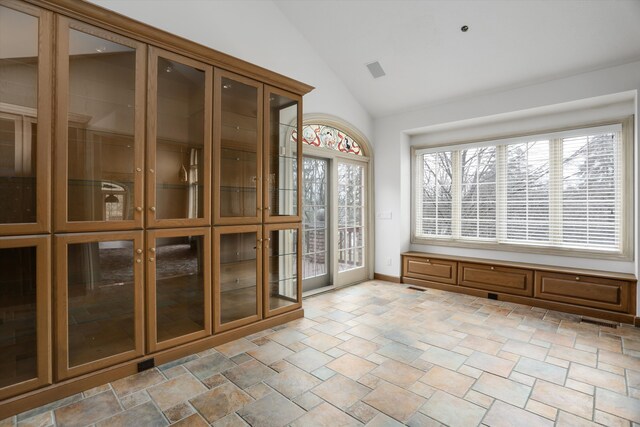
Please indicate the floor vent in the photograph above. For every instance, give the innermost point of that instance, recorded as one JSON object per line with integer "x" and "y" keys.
{"x": 599, "y": 322}
{"x": 416, "y": 289}
{"x": 492, "y": 296}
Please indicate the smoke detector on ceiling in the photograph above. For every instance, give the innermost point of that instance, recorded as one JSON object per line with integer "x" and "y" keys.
{"x": 376, "y": 69}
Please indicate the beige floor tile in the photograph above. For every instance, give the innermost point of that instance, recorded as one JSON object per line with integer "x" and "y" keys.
{"x": 394, "y": 401}
{"x": 270, "y": 353}
{"x": 504, "y": 415}
{"x": 292, "y": 382}
{"x": 220, "y": 401}
{"x": 194, "y": 420}
{"x": 597, "y": 378}
{"x": 484, "y": 345}
{"x": 400, "y": 352}
{"x": 618, "y": 404}
{"x": 609, "y": 420}
{"x": 525, "y": 349}
{"x": 541, "y": 409}
{"x": 479, "y": 398}
{"x": 178, "y": 412}
{"x": 445, "y": 358}
{"x": 364, "y": 331}
{"x": 447, "y": 380}
{"x": 231, "y": 420}
{"x": 206, "y": 366}
{"x": 573, "y": 355}
{"x": 273, "y": 410}
{"x": 351, "y": 366}
{"x": 143, "y": 415}
{"x": 307, "y": 401}
{"x": 309, "y": 359}
{"x": 236, "y": 347}
{"x": 503, "y": 389}
{"x": 175, "y": 391}
{"x": 88, "y": 411}
{"x": 382, "y": 420}
{"x": 341, "y": 391}
{"x": 554, "y": 338}
{"x": 563, "y": 398}
{"x": 287, "y": 337}
{"x": 248, "y": 373}
{"x": 566, "y": 419}
{"x": 621, "y": 360}
{"x": 321, "y": 341}
{"x": 359, "y": 346}
{"x": 326, "y": 415}
{"x": 397, "y": 373}
{"x": 542, "y": 370}
{"x": 453, "y": 411}
{"x": 488, "y": 363}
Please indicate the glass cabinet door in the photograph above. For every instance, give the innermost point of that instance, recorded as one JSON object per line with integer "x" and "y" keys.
{"x": 238, "y": 272}
{"x": 100, "y": 129}
{"x": 179, "y": 140}
{"x": 179, "y": 286}
{"x": 238, "y": 156}
{"x": 282, "y": 279}
{"x": 99, "y": 300}
{"x": 282, "y": 156}
{"x": 25, "y": 298}
{"x": 25, "y": 118}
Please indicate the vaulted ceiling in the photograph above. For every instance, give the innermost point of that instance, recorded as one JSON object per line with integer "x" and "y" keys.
{"x": 428, "y": 59}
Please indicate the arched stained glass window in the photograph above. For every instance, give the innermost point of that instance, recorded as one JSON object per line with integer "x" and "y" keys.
{"x": 329, "y": 137}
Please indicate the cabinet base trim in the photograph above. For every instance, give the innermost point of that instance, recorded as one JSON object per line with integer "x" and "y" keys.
{"x": 379, "y": 276}
{"x": 51, "y": 393}
{"x": 549, "y": 305}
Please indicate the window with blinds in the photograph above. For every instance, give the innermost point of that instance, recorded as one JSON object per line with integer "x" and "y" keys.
{"x": 563, "y": 190}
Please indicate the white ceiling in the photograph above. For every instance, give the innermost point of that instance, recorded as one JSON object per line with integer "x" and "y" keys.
{"x": 428, "y": 60}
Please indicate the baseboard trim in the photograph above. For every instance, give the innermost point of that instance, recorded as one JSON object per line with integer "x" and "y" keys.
{"x": 636, "y": 322}
{"x": 50, "y": 393}
{"x": 393, "y": 279}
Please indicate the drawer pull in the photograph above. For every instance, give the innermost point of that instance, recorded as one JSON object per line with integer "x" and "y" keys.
{"x": 493, "y": 268}
{"x": 577, "y": 277}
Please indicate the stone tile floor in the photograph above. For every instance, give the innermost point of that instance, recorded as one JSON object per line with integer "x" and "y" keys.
{"x": 380, "y": 354}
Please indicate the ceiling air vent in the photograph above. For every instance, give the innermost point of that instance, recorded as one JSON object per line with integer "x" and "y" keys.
{"x": 376, "y": 69}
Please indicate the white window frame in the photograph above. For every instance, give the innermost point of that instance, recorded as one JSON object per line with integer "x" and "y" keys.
{"x": 627, "y": 235}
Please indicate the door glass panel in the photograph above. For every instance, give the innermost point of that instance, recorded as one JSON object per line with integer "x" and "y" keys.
{"x": 179, "y": 286}
{"x": 314, "y": 237}
{"x": 101, "y": 128}
{"x": 239, "y": 148}
{"x": 18, "y": 103}
{"x": 283, "y": 268}
{"x": 18, "y": 336}
{"x": 351, "y": 229}
{"x": 283, "y": 156}
{"x": 180, "y": 141}
{"x": 100, "y": 300}
{"x": 238, "y": 276}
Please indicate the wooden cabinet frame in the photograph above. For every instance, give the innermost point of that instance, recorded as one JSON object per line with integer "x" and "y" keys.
{"x": 61, "y": 242}
{"x": 152, "y": 341}
{"x": 44, "y": 114}
{"x": 152, "y": 119}
{"x": 64, "y": 25}
{"x": 43, "y": 307}
{"x": 218, "y": 219}
{"x": 268, "y": 218}
{"x": 217, "y": 232}
{"x": 268, "y": 228}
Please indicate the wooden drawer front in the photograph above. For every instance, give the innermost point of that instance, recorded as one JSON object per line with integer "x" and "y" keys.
{"x": 500, "y": 279}
{"x": 588, "y": 291}
{"x": 438, "y": 270}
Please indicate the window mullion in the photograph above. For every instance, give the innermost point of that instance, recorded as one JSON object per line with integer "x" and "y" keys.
{"x": 501, "y": 193}
{"x": 456, "y": 189}
{"x": 555, "y": 191}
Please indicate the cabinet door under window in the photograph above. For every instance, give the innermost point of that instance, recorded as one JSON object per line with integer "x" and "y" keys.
{"x": 179, "y": 140}
{"x": 100, "y": 129}
{"x": 25, "y": 118}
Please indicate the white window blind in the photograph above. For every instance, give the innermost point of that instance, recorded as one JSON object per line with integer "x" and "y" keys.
{"x": 561, "y": 189}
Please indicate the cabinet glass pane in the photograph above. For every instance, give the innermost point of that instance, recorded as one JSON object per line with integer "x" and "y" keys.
{"x": 180, "y": 141}
{"x": 179, "y": 286}
{"x": 283, "y": 156}
{"x": 101, "y": 129}
{"x": 239, "y": 148}
{"x": 283, "y": 268}
{"x": 100, "y": 300}
{"x": 18, "y": 336}
{"x": 238, "y": 276}
{"x": 18, "y": 106}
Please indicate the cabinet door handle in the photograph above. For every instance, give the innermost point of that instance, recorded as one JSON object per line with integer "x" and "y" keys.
{"x": 152, "y": 250}
{"x": 151, "y": 259}
{"x": 138, "y": 251}
{"x": 139, "y": 208}
{"x": 492, "y": 267}
{"x": 152, "y": 208}
{"x": 577, "y": 277}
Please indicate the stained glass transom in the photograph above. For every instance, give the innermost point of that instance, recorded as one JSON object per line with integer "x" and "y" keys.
{"x": 329, "y": 137}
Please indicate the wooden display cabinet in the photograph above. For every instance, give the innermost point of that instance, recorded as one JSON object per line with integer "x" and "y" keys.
{"x": 25, "y": 286}
{"x": 282, "y": 268}
{"x": 25, "y": 121}
{"x": 99, "y": 300}
{"x": 179, "y": 116}
{"x": 178, "y": 286}
{"x": 100, "y": 116}
{"x": 238, "y": 149}
{"x": 282, "y": 156}
{"x": 238, "y": 276}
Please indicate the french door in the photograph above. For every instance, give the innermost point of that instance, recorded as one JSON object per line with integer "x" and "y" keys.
{"x": 334, "y": 222}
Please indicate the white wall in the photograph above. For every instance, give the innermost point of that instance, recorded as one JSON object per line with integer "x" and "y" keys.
{"x": 543, "y": 105}
{"x": 255, "y": 31}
